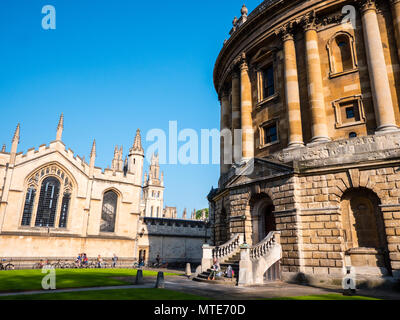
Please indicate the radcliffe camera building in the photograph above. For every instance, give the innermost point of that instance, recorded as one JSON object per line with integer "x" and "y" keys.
{"x": 321, "y": 173}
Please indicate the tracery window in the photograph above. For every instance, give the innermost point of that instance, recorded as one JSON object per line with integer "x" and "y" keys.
{"x": 109, "y": 211}
{"x": 47, "y": 198}
{"x": 64, "y": 210}
{"x": 28, "y": 207}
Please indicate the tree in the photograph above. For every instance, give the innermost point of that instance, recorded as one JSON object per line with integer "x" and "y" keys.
{"x": 199, "y": 213}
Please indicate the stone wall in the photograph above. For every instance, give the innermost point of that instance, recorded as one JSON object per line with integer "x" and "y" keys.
{"x": 175, "y": 240}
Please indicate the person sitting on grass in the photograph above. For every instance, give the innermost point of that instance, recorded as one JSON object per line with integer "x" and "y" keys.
{"x": 214, "y": 269}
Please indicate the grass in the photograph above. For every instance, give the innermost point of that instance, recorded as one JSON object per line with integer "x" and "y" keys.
{"x": 27, "y": 280}
{"x": 332, "y": 296}
{"x": 120, "y": 294}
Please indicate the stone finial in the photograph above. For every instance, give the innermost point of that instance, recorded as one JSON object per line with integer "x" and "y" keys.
{"x": 137, "y": 144}
{"x": 184, "y": 215}
{"x": 60, "y": 127}
{"x": 3, "y": 149}
{"x": 235, "y": 21}
{"x": 244, "y": 11}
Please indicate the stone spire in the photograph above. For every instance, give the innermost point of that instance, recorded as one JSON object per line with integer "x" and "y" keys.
{"x": 14, "y": 145}
{"x": 3, "y": 149}
{"x": 93, "y": 152}
{"x": 60, "y": 127}
{"x": 114, "y": 163}
{"x": 120, "y": 161}
{"x": 92, "y": 159}
{"x": 184, "y": 215}
{"x": 137, "y": 144}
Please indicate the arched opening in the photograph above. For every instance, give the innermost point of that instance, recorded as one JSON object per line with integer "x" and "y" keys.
{"x": 48, "y": 200}
{"x": 342, "y": 53}
{"x": 262, "y": 217}
{"x": 108, "y": 214}
{"x": 364, "y": 231}
{"x": 342, "y": 56}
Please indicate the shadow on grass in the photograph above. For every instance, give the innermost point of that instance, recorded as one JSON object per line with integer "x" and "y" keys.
{"x": 30, "y": 280}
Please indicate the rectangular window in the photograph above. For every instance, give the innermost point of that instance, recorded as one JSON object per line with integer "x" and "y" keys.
{"x": 270, "y": 134}
{"x": 349, "y": 111}
{"x": 268, "y": 81}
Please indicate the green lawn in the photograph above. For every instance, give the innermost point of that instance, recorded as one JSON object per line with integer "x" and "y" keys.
{"x": 26, "y": 280}
{"x": 332, "y": 296}
{"x": 121, "y": 294}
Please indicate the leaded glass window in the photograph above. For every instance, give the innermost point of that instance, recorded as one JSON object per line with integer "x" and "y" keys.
{"x": 64, "y": 210}
{"x": 48, "y": 200}
{"x": 109, "y": 211}
{"x": 28, "y": 207}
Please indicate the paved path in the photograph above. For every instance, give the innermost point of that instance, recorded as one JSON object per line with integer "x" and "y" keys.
{"x": 220, "y": 292}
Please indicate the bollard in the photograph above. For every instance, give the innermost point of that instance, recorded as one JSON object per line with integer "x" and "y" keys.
{"x": 160, "y": 280}
{"x": 139, "y": 277}
{"x": 188, "y": 272}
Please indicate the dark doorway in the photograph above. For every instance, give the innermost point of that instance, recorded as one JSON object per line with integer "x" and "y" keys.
{"x": 269, "y": 220}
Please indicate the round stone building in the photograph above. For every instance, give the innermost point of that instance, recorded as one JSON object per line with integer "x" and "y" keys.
{"x": 310, "y": 157}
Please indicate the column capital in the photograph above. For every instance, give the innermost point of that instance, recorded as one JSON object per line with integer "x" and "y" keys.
{"x": 235, "y": 74}
{"x": 223, "y": 93}
{"x": 285, "y": 32}
{"x": 309, "y": 21}
{"x": 243, "y": 62}
{"x": 366, "y": 5}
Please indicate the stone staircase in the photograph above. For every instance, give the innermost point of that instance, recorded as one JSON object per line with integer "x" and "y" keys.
{"x": 233, "y": 262}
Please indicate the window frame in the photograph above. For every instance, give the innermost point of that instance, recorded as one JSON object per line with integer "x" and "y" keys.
{"x": 340, "y": 123}
{"x": 333, "y": 73}
{"x": 264, "y": 58}
{"x": 261, "y": 129}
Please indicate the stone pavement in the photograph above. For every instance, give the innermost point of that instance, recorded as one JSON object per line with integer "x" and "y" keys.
{"x": 220, "y": 292}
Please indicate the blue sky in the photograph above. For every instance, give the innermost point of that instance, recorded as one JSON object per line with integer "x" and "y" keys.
{"x": 112, "y": 67}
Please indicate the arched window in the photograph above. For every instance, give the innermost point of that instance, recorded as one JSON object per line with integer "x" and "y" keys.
{"x": 151, "y": 212}
{"x": 64, "y": 210}
{"x": 342, "y": 57}
{"x": 109, "y": 211}
{"x": 48, "y": 200}
{"x": 28, "y": 207}
{"x": 158, "y": 212}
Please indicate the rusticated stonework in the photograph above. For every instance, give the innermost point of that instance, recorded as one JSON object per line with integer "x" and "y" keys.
{"x": 328, "y": 178}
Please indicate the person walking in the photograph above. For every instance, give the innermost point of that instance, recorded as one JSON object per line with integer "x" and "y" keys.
{"x": 114, "y": 260}
{"x": 99, "y": 261}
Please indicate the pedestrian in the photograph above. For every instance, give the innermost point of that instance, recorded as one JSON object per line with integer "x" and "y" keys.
{"x": 114, "y": 260}
{"x": 99, "y": 261}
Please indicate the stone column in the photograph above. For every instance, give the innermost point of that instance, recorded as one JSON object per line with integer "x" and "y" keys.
{"x": 226, "y": 140}
{"x": 236, "y": 122}
{"x": 396, "y": 23}
{"x": 246, "y": 110}
{"x": 381, "y": 94}
{"x": 319, "y": 127}
{"x": 292, "y": 94}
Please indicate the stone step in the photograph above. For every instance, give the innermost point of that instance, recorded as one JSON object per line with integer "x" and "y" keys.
{"x": 221, "y": 281}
